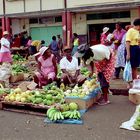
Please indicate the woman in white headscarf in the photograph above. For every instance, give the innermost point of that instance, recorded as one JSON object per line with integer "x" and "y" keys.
{"x": 47, "y": 68}
{"x": 5, "y": 53}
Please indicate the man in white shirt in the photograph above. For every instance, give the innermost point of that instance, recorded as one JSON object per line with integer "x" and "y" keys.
{"x": 70, "y": 69}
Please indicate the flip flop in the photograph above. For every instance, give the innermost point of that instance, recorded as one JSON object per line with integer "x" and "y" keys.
{"x": 104, "y": 103}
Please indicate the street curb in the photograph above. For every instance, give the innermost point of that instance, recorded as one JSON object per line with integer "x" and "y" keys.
{"x": 119, "y": 92}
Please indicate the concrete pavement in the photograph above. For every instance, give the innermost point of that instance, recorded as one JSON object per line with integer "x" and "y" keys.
{"x": 100, "y": 123}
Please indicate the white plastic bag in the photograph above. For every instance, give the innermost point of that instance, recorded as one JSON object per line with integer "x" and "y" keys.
{"x": 136, "y": 84}
{"x": 127, "y": 74}
{"x": 100, "y": 52}
{"x": 5, "y": 73}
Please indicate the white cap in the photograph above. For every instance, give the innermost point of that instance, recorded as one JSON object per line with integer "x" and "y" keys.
{"x": 43, "y": 49}
{"x": 105, "y": 29}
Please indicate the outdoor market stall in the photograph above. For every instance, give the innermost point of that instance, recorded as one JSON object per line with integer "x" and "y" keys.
{"x": 66, "y": 102}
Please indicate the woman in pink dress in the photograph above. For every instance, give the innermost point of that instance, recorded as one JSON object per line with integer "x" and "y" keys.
{"x": 104, "y": 35}
{"x": 5, "y": 54}
{"x": 47, "y": 68}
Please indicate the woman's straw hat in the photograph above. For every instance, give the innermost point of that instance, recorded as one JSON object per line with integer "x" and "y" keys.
{"x": 5, "y": 33}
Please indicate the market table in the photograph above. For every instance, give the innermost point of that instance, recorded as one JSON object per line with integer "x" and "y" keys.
{"x": 23, "y": 51}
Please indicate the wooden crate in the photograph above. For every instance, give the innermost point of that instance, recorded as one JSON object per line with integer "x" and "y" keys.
{"x": 26, "y": 108}
{"x": 84, "y": 104}
{"x": 134, "y": 98}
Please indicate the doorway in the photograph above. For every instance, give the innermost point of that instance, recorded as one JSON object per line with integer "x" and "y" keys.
{"x": 95, "y": 30}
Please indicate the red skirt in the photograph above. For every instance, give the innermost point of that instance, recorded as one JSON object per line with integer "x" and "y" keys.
{"x": 107, "y": 67}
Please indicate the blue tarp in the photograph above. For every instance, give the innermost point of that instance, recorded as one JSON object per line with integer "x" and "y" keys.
{"x": 67, "y": 121}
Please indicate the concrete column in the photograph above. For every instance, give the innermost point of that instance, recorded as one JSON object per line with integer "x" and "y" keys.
{"x": 64, "y": 27}
{"x": 3, "y": 24}
{"x": 8, "y": 24}
{"x": 69, "y": 28}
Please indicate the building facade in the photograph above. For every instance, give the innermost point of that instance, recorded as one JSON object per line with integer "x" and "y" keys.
{"x": 44, "y": 18}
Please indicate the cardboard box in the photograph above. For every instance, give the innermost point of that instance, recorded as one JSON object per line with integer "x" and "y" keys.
{"x": 23, "y": 86}
{"x": 134, "y": 98}
{"x": 31, "y": 58}
{"x": 16, "y": 78}
{"x": 84, "y": 104}
{"x": 32, "y": 85}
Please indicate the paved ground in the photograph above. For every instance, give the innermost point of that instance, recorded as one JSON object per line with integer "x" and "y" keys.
{"x": 100, "y": 123}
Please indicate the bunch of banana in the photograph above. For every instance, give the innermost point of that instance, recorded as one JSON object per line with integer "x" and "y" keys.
{"x": 72, "y": 114}
{"x": 54, "y": 114}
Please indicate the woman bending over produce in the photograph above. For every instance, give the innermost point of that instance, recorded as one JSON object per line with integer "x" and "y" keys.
{"x": 103, "y": 58}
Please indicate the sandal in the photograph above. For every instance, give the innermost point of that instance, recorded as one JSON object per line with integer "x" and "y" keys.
{"x": 103, "y": 103}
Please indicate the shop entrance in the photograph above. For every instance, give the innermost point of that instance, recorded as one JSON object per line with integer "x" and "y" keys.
{"x": 95, "y": 30}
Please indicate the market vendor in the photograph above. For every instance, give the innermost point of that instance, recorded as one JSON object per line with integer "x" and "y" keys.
{"x": 5, "y": 53}
{"x": 103, "y": 58}
{"x": 47, "y": 68}
{"x": 70, "y": 69}
{"x": 34, "y": 47}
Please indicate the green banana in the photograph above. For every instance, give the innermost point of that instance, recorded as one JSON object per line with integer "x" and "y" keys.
{"x": 48, "y": 111}
{"x": 61, "y": 116}
{"x": 52, "y": 117}
{"x": 75, "y": 114}
{"x": 64, "y": 113}
{"x": 51, "y": 113}
{"x": 55, "y": 116}
{"x": 78, "y": 114}
{"x": 68, "y": 114}
{"x": 58, "y": 115}
{"x": 71, "y": 115}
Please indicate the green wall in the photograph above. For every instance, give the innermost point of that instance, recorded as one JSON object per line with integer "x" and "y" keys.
{"x": 45, "y": 33}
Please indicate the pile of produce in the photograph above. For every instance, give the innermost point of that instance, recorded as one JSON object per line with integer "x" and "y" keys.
{"x": 84, "y": 90}
{"x": 18, "y": 57}
{"x": 18, "y": 68}
{"x": 65, "y": 111}
{"x": 4, "y": 90}
{"x": 48, "y": 97}
{"x": 137, "y": 122}
{"x": 84, "y": 71}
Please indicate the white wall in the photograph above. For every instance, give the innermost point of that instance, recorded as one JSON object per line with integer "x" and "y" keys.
{"x": 14, "y": 7}
{"x": 32, "y": 5}
{"x": 52, "y": 4}
{"x": 134, "y": 14}
{"x": 79, "y": 24}
{"x": 81, "y": 3}
{"x": 17, "y": 25}
{"x": 1, "y": 7}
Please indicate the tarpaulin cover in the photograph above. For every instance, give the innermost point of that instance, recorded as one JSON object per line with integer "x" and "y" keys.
{"x": 67, "y": 121}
